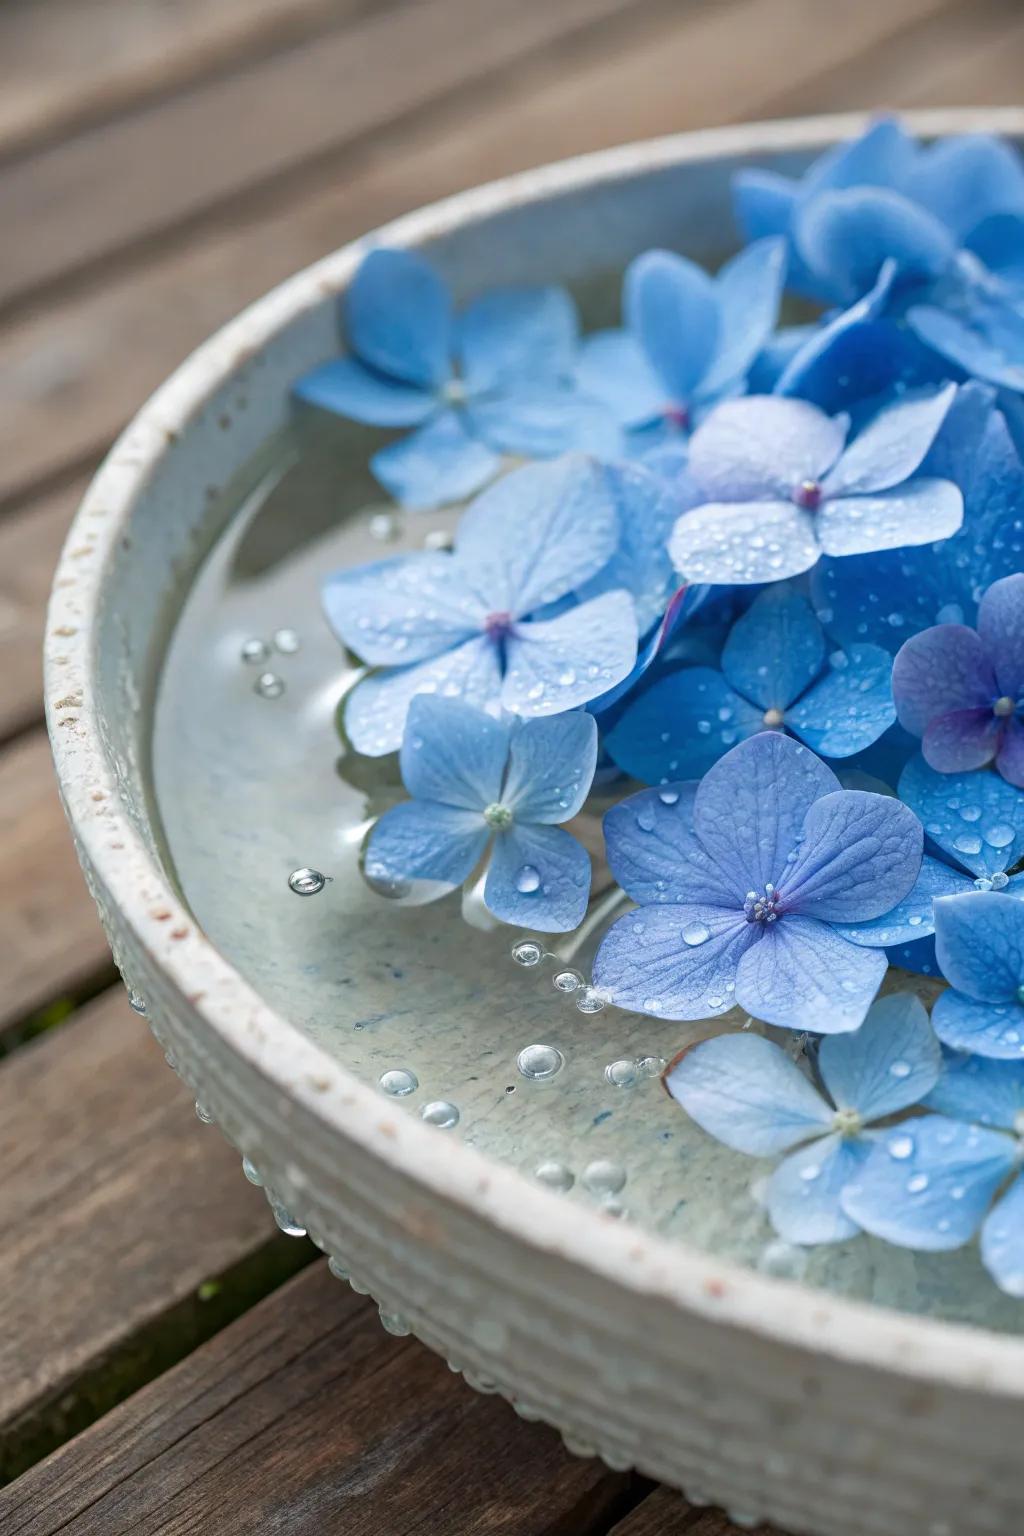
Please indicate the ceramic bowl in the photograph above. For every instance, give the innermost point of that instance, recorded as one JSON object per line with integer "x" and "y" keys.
{"x": 777, "y": 1401}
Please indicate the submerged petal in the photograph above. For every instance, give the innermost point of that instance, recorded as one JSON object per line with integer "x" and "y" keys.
{"x": 647, "y": 963}
{"x": 747, "y": 1093}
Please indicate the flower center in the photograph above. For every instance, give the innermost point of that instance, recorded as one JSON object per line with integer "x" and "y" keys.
{"x": 808, "y": 495}
{"x": 1004, "y": 706}
{"x": 772, "y": 719}
{"x": 498, "y": 625}
{"x": 848, "y": 1122}
{"x": 454, "y": 392}
{"x": 498, "y": 817}
{"x": 675, "y": 414}
{"x": 763, "y": 908}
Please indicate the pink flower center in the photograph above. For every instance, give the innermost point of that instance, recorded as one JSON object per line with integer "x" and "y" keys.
{"x": 497, "y": 626}
{"x": 808, "y": 495}
{"x": 675, "y": 414}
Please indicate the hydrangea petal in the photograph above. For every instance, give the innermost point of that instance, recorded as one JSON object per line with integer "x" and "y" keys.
{"x": 647, "y": 508}
{"x": 757, "y": 541}
{"x": 393, "y": 612}
{"x": 846, "y": 236}
{"x": 976, "y": 818}
{"x": 980, "y": 1091}
{"x": 347, "y": 387}
{"x": 912, "y": 918}
{"x": 748, "y": 1094}
{"x": 453, "y": 753}
{"x": 748, "y": 289}
{"x": 750, "y": 808}
{"x": 613, "y": 369}
{"x": 963, "y": 178}
{"x": 671, "y": 306}
{"x": 1001, "y": 628}
{"x": 962, "y": 740}
{"x": 517, "y": 333}
{"x": 762, "y": 446}
{"x": 646, "y": 962}
{"x": 656, "y": 856}
{"x": 892, "y": 447}
{"x": 979, "y": 940}
{"x": 421, "y": 840}
{"x": 377, "y": 707}
{"x": 994, "y": 1030}
{"x": 860, "y": 854}
{"x": 551, "y": 766}
{"x": 776, "y": 357}
{"x": 776, "y": 649}
{"x": 986, "y": 341}
{"x": 541, "y": 420}
{"x": 680, "y": 726}
{"x": 1010, "y": 757}
{"x": 1002, "y": 1241}
{"x": 557, "y": 664}
{"x": 437, "y": 464}
{"x": 398, "y": 317}
{"x": 763, "y": 202}
{"x": 804, "y": 975}
{"x": 998, "y": 242}
{"x": 942, "y": 669}
{"x": 539, "y": 877}
{"x": 850, "y": 707}
{"x": 804, "y": 1190}
{"x": 881, "y": 156}
{"x": 927, "y": 1184}
{"x": 888, "y": 1064}
{"x": 918, "y": 512}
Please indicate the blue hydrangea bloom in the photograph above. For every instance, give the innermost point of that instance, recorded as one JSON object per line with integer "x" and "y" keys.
{"x": 932, "y": 1183}
{"x": 689, "y": 341}
{"x": 476, "y": 781}
{"x": 774, "y": 675}
{"x": 475, "y": 623}
{"x": 976, "y": 325}
{"x": 749, "y": 1094}
{"x": 782, "y": 486}
{"x": 979, "y": 943}
{"x": 745, "y": 884}
{"x": 495, "y": 380}
{"x": 962, "y": 690}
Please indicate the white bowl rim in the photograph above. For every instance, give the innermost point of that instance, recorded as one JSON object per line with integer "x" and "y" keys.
{"x": 780, "y": 1311}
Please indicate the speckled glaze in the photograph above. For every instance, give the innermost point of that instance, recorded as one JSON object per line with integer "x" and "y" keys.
{"x": 784, "y": 1404}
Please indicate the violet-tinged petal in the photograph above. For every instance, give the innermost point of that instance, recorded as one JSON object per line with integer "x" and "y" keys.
{"x": 980, "y": 1091}
{"x": 803, "y": 975}
{"x": 803, "y": 1196}
{"x": 761, "y": 447}
{"x": 941, "y": 670}
{"x": 1002, "y": 1240}
{"x": 551, "y": 765}
{"x": 1010, "y": 757}
{"x": 975, "y": 818}
{"x": 539, "y": 877}
{"x": 892, "y": 447}
{"x": 517, "y": 333}
{"x": 537, "y": 534}
{"x": 725, "y": 544}
{"x": 962, "y": 740}
{"x": 912, "y": 918}
{"x": 348, "y": 388}
{"x": 671, "y": 306}
{"x": 750, "y": 808}
{"x": 993, "y": 1030}
{"x": 979, "y": 940}
{"x": 453, "y": 753}
{"x": 674, "y": 962}
{"x": 748, "y": 1094}
{"x": 420, "y": 840}
{"x": 850, "y": 707}
{"x": 928, "y": 1183}
{"x": 681, "y": 725}
{"x": 1001, "y": 629}
{"x": 437, "y": 464}
{"x": 845, "y": 237}
{"x": 398, "y": 317}
{"x": 888, "y": 1064}
{"x": 377, "y": 707}
{"x": 776, "y": 650}
{"x": 860, "y": 854}
{"x": 918, "y": 512}
{"x": 393, "y": 612}
{"x": 748, "y": 289}
{"x": 613, "y": 369}
{"x": 557, "y": 664}
{"x": 656, "y": 856}
{"x": 963, "y": 178}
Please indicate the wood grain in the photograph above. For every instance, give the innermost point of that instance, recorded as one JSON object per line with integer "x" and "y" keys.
{"x": 666, "y": 1513}
{"x": 304, "y": 1418}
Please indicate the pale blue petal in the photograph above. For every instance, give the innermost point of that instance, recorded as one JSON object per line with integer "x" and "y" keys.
{"x": 804, "y": 1191}
{"x": 776, "y": 356}
{"x": 435, "y": 465}
{"x": 986, "y": 341}
{"x": 1001, "y": 627}
{"x": 750, "y": 808}
{"x": 998, "y": 241}
{"x": 989, "y": 838}
{"x": 539, "y": 877}
{"x": 747, "y": 1093}
{"x": 541, "y": 420}
{"x": 557, "y": 664}
{"x": 538, "y": 533}
{"x": 910, "y": 919}
{"x": 928, "y": 1183}
{"x": 763, "y": 447}
{"x": 918, "y": 957}
{"x": 748, "y": 289}
{"x": 918, "y": 512}
{"x": 453, "y": 753}
{"x": 962, "y": 179}
{"x": 846, "y": 236}
{"x": 647, "y": 508}
{"x": 882, "y": 156}
{"x": 995, "y": 1030}
{"x": 804, "y": 975}
{"x": 680, "y": 726}
{"x": 892, "y": 447}
{"x": 613, "y": 369}
{"x": 980, "y": 1091}
{"x": 938, "y": 671}
{"x": 758, "y": 541}
{"x": 979, "y": 941}
{"x": 860, "y": 854}
{"x": 684, "y": 602}
{"x": 656, "y": 856}
{"x": 764, "y": 204}
{"x": 888, "y": 1064}
{"x": 850, "y": 707}
{"x": 551, "y": 766}
{"x": 393, "y": 612}
{"x": 419, "y": 840}
{"x": 671, "y": 307}
{"x": 776, "y": 649}
{"x": 348, "y": 388}
{"x": 377, "y": 707}
{"x": 517, "y": 333}
{"x": 647, "y": 964}
{"x": 1002, "y": 1241}
{"x": 398, "y": 317}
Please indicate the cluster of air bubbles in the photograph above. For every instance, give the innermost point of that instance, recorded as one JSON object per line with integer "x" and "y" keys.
{"x": 997, "y": 882}
{"x": 256, "y": 653}
{"x": 399, "y": 1082}
{"x": 590, "y": 1000}
{"x": 203, "y": 1114}
{"x": 306, "y": 881}
{"x": 539, "y": 1063}
{"x": 440, "y": 1112}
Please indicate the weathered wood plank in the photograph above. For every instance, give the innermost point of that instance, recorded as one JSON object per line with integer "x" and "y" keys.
{"x": 306, "y": 1417}
{"x": 116, "y": 1204}
{"x": 666, "y": 1513}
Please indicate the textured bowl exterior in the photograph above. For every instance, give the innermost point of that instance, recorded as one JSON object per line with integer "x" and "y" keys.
{"x": 825, "y": 1416}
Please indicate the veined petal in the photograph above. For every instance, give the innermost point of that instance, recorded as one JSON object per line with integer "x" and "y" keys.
{"x": 435, "y": 465}
{"x": 725, "y": 544}
{"x": 377, "y": 707}
{"x": 681, "y": 725}
{"x": 805, "y": 1189}
{"x": 393, "y": 612}
{"x": 912, "y": 918}
{"x": 612, "y": 368}
{"x": 398, "y": 317}
{"x": 656, "y": 856}
{"x": 671, "y": 307}
{"x": 761, "y": 447}
{"x": 980, "y": 1091}
{"x": 888, "y": 1064}
{"x": 747, "y": 1093}
{"x": 986, "y": 341}
{"x": 850, "y": 707}
{"x": 962, "y": 740}
{"x": 892, "y": 447}
{"x": 979, "y": 940}
{"x": 943, "y": 669}
{"x": 989, "y": 838}
{"x": 1001, "y": 628}
{"x": 551, "y": 766}
{"x": 915, "y": 513}
{"x": 859, "y": 854}
{"x": 994, "y": 1030}
{"x": 539, "y": 877}
{"x": 348, "y": 388}
{"x": 646, "y": 963}
{"x": 1010, "y": 757}
{"x": 748, "y": 289}
{"x": 420, "y": 840}
{"x": 453, "y": 753}
{"x": 804, "y": 975}
{"x": 517, "y": 333}
{"x": 776, "y": 650}
{"x": 557, "y": 664}
{"x": 1002, "y": 1241}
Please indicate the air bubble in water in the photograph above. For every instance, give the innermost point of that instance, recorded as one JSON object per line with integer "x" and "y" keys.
{"x": 203, "y": 1114}
{"x": 555, "y": 1175}
{"x": 651, "y": 1066}
{"x": 540, "y": 1062}
{"x": 286, "y": 641}
{"x": 136, "y": 1002}
{"x": 621, "y": 1074}
{"x": 527, "y": 952}
{"x": 398, "y": 1081}
{"x": 604, "y": 1177}
{"x": 269, "y": 686}
{"x": 589, "y": 1000}
{"x": 306, "y": 882}
{"x": 441, "y": 1113}
{"x": 255, "y": 651}
{"x": 252, "y": 1173}
{"x": 384, "y": 526}
{"x": 567, "y": 981}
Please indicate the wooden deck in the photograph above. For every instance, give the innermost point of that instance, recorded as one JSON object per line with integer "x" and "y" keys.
{"x": 169, "y": 1362}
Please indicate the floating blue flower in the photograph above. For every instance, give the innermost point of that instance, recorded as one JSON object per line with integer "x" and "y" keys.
{"x": 471, "y": 623}
{"x": 979, "y": 942}
{"x": 689, "y": 341}
{"x": 932, "y": 1183}
{"x": 495, "y": 380}
{"x": 962, "y": 690}
{"x": 477, "y": 781}
{"x": 746, "y": 884}
{"x": 749, "y": 1094}
{"x": 781, "y": 487}
{"x": 773, "y": 676}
